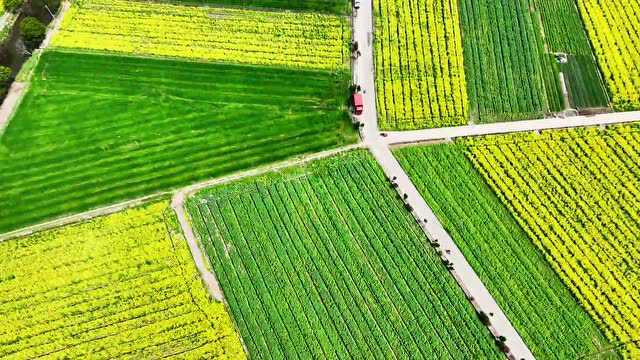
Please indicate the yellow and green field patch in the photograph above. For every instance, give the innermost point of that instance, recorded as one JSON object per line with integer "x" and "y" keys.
{"x": 123, "y": 285}
{"x": 283, "y": 38}
{"x": 577, "y": 195}
{"x": 614, "y": 30}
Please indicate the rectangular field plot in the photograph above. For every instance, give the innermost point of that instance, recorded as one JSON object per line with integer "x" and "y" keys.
{"x": 614, "y": 30}
{"x": 301, "y": 40}
{"x": 420, "y": 79}
{"x": 509, "y": 76}
{"x": 564, "y": 33}
{"x": 577, "y": 195}
{"x": 94, "y": 130}
{"x": 119, "y": 286}
{"x": 534, "y": 298}
{"x": 323, "y": 261}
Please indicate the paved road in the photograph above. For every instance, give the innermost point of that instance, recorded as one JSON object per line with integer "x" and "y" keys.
{"x": 10, "y": 103}
{"x": 463, "y": 272}
{"x": 403, "y": 137}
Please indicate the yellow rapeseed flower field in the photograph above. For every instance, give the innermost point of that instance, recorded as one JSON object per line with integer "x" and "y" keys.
{"x": 283, "y": 38}
{"x": 123, "y": 285}
{"x": 614, "y": 29}
{"x": 577, "y": 194}
{"x": 420, "y": 80}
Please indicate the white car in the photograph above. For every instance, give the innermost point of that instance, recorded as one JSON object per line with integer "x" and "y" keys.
{"x": 356, "y": 4}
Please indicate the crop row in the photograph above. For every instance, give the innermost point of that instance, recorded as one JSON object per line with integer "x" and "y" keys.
{"x": 419, "y": 68}
{"x": 302, "y": 40}
{"x": 121, "y": 285}
{"x": 334, "y": 266}
{"x": 614, "y": 30}
{"x": 534, "y": 298}
{"x": 576, "y": 193}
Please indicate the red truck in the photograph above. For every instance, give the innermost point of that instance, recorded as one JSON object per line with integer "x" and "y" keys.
{"x": 358, "y": 106}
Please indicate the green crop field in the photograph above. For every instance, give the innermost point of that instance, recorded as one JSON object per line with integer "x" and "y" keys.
{"x": 577, "y": 195}
{"x": 323, "y": 261}
{"x": 565, "y": 33}
{"x": 95, "y": 129}
{"x": 118, "y": 286}
{"x": 508, "y": 75}
{"x": 540, "y": 306}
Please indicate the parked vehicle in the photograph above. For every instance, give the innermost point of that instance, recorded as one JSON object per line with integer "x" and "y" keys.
{"x": 357, "y": 102}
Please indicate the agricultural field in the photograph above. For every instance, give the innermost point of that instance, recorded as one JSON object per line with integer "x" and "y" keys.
{"x": 324, "y": 261}
{"x": 614, "y": 30}
{"x": 577, "y": 195}
{"x": 509, "y": 76}
{"x": 94, "y": 130}
{"x": 123, "y": 285}
{"x": 420, "y": 80}
{"x": 300, "y": 40}
{"x": 532, "y": 295}
{"x": 565, "y": 34}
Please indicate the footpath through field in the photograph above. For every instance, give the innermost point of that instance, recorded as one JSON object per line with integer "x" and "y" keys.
{"x": 463, "y": 272}
{"x": 406, "y": 137}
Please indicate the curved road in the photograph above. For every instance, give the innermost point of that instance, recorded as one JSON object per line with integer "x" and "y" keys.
{"x": 468, "y": 280}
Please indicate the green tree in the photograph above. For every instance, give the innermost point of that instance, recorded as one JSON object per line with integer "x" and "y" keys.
{"x": 13, "y": 5}
{"x": 33, "y": 31}
{"x": 5, "y": 78}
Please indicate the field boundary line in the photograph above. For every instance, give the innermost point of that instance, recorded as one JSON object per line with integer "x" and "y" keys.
{"x": 195, "y": 245}
{"x": 448, "y": 133}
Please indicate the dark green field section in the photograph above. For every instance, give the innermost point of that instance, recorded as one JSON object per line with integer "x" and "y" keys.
{"x": 565, "y": 33}
{"x": 508, "y": 75}
{"x": 510, "y": 49}
{"x": 340, "y": 7}
{"x": 94, "y": 130}
{"x": 541, "y": 308}
{"x": 323, "y": 261}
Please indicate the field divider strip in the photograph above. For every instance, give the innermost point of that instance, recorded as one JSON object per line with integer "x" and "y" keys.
{"x": 448, "y": 133}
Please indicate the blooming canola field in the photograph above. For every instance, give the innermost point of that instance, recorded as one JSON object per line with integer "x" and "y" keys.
{"x": 122, "y": 285}
{"x": 282, "y": 38}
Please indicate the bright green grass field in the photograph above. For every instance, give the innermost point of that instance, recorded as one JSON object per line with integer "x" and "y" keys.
{"x": 539, "y": 305}
{"x": 323, "y": 261}
{"x": 94, "y": 129}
